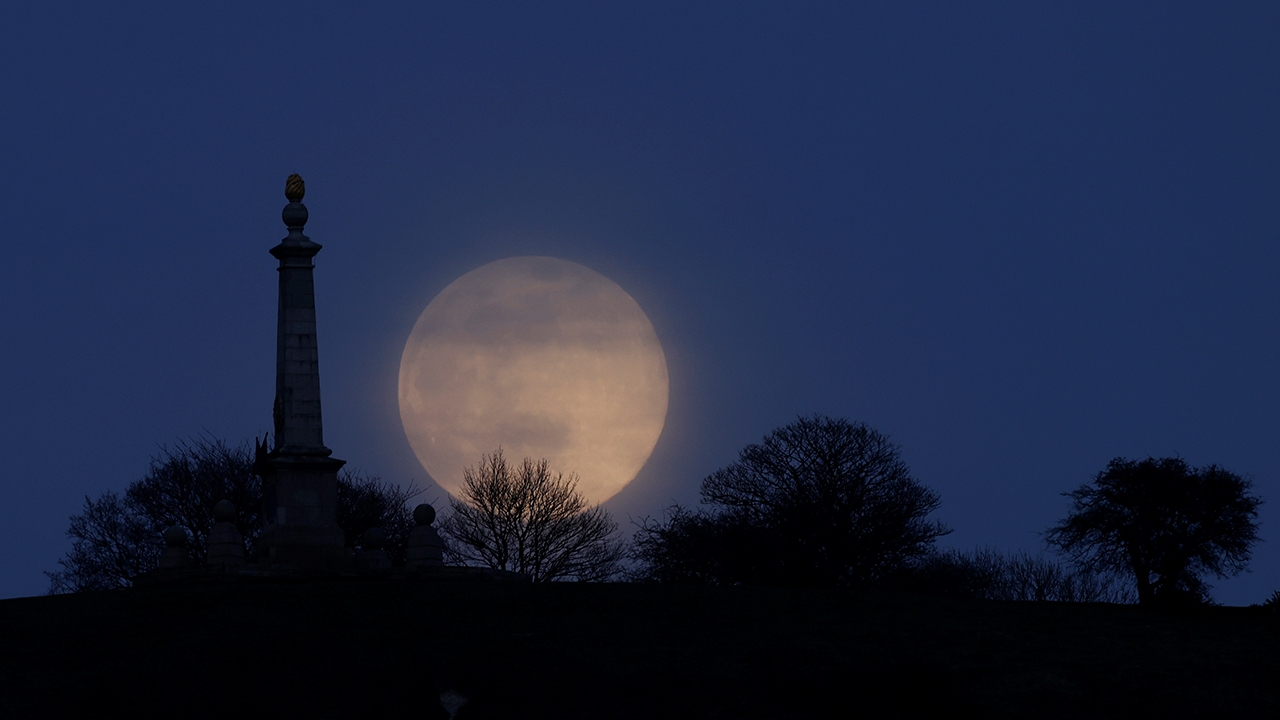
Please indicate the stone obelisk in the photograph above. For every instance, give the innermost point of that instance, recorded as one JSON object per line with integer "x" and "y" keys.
{"x": 299, "y": 476}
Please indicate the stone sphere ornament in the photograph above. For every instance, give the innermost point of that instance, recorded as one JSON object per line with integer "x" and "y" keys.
{"x": 224, "y": 511}
{"x": 294, "y": 215}
{"x": 374, "y": 538}
{"x": 175, "y": 536}
{"x": 424, "y": 514}
{"x": 175, "y": 553}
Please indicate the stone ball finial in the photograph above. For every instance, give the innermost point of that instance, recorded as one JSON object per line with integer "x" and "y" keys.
{"x": 294, "y": 188}
{"x": 424, "y": 514}
{"x": 373, "y": 538}
{"x": 175, "y": 552}
{"x": 425, "y": 549}
{"x": 224, "y": 511}
{"x": 175, "y": 537}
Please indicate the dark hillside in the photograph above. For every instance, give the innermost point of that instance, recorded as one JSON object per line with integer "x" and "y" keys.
{"x": 364, "y": 648}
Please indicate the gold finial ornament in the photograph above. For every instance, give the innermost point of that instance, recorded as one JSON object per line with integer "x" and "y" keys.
{"x": 294, "y": 188}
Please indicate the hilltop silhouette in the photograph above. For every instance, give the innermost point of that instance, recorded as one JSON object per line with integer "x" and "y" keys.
{"x": 360, "y": 648}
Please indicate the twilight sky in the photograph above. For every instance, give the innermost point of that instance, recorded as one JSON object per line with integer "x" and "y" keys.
{"x": 1019, "y": 241}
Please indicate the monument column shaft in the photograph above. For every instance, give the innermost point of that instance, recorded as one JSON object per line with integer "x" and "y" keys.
{"x": 298, "y": 421}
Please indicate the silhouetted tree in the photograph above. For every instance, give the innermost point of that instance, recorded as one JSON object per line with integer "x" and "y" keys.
{"x": 697, "y": 547}
{"x": 821, "y": 501}
{"x": 114, "y": 539}
{"x": 112, "y": 543}
{"x": 532, "y": 521}
{"x": 1163, "y": 523}
{"x": 365, "y": 502}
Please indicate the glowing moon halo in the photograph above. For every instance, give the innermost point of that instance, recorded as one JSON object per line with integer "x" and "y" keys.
{"x": 543, "y": 357}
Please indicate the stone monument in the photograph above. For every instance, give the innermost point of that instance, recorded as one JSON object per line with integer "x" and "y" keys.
{"x": 175, "y": 551}
{"x": 299, "y": 476}
{"x": 426, "y": 549}
{"x": 373, "y": 553}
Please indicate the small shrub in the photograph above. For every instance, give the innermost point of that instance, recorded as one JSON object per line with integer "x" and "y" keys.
{"x": 990, "y": 575}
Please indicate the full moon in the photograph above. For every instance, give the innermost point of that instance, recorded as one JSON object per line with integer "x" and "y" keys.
{"x": 543, "y": 358}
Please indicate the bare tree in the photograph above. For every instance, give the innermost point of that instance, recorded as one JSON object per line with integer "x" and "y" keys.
{"x": 115, "y": 539}
{"x": 366, "y": 501}
{"x": 532, "y": 521}
{"x": 187, "y": 479}
{"x": 112, "y": 543}
{"x": 821, "y": 501}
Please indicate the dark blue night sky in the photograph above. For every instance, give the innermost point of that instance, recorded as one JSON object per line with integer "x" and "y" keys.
{"x": 1020, "y": 241}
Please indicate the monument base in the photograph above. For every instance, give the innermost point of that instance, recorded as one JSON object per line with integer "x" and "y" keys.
{"x": 305, "y": 548}
{"x": 300, "y": 501}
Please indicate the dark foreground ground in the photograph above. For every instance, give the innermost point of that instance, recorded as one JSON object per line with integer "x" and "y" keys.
{"x": 367, "y": 648}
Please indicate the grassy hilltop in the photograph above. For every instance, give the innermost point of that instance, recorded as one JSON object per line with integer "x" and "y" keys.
{"x": 362, "y": 648}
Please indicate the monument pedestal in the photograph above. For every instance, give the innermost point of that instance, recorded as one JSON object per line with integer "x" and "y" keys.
{"x": 300, "y": 501}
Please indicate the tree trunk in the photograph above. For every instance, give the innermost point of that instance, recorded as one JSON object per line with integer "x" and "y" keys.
{"x": 1142, "y": 577}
